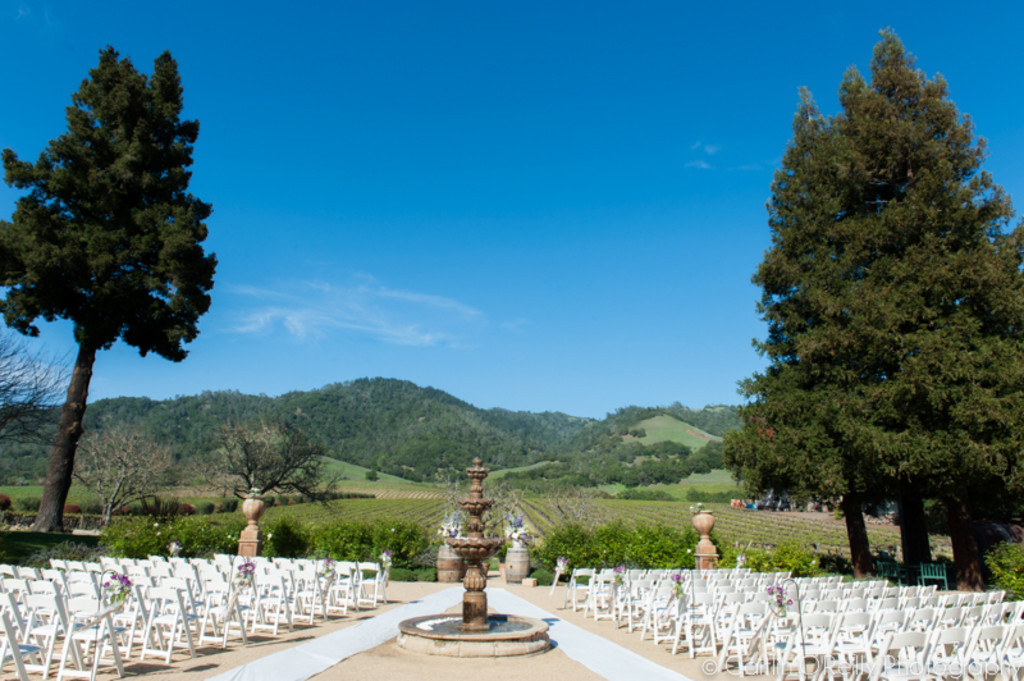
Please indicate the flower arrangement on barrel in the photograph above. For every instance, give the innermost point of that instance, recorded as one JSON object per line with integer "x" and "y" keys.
{"x": 451, "y": 526}
{"x": 517, "y": 530}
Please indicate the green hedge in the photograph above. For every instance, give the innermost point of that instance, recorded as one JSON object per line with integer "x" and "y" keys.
{"x": 347, "y": 540}
{"x": 640, "y": 546}
{"x": 200, "y": 536}
{"x": 660, "y": 546}
{"x": 798, "y": 560}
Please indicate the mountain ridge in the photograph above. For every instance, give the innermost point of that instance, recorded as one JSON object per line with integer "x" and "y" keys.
{"x": 390, "y": 425}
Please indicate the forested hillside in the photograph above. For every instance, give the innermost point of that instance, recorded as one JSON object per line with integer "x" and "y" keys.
{"x": 391, "y": 425}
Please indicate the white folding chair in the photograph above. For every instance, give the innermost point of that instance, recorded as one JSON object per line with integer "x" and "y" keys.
{"x": 903, "y": 657}
{"x": 11, "y": 649}
{"x": 91, "y": 635}
{"x": 694, "y": 626}
{"x": 579, "y": 587}
{"x": 271, "y": 603}
{"x": 170, "y": 624}
{"x": 223, "y": 610}
{"x": 746, "y": 639}
{"x": 46, "y": 621}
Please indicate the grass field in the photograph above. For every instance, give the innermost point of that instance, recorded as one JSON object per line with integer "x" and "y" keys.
{"x": 664, "y": 428}
{"x": 498, "y": 475}
{"x": 350, "y": 471}
{"x": 20, "y": 545}
{"x": 714, "y": 482}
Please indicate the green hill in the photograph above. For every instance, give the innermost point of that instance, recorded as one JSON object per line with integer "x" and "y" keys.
{"x": 400, "y": 429}
{"x": 665, "y": 428}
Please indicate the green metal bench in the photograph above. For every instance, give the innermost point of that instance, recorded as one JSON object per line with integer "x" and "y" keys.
{"x": 934, "y": 572}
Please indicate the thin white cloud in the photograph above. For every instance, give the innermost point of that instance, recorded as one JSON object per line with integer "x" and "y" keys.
{"x": 428, "y": 300}
{"x": 711, "y": 149}
{"x": 515, "y": 325}
{"x": 696, "y": 145}
{"x": 703, "y": 165}
{"x": 314, "y": 309}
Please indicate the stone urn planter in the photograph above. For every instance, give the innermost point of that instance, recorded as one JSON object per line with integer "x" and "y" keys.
{"x": 707, "y": 555}
{"x": 250, "y": 542}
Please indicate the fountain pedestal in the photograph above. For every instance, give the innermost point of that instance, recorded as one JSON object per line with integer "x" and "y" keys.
{"x": 477, "y": 634}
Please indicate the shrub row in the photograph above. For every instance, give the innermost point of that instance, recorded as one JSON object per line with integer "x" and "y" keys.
{"x": 138, "y": 537}
{"x": 635, "y": 546}
{"x": 349, "y": 540}
{"x": 661, "y": 546}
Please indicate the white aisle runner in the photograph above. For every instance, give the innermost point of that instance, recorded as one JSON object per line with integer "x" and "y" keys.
{"x": 308, "y": 659}
{"x": 594, "y": 652}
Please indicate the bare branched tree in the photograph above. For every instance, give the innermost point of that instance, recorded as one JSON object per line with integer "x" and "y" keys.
{"x": 30, "y": 388}
{"x": 272, "y": 457}
{"x": 575, "y": 505}
{"x": 508, "y": 501}
{"x": 121, "y": 465}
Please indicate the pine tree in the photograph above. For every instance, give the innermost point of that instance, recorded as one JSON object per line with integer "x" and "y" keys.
{"x": 108, "y": 236}
{"x": 894, "y": 302}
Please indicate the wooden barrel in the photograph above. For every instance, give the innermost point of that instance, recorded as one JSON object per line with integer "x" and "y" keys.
{"x": 450, "y": 566}
{"x": 517, "y": 565}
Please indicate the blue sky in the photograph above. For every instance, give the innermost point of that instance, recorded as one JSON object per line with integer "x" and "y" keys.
{"x": 530, "y": 205}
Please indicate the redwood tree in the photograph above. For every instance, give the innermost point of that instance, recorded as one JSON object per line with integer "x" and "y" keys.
{"x": 895, "y": 304}
{"x": 108, "y": 236}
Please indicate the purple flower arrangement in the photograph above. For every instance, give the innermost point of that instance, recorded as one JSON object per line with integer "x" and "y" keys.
{"x": 117, "y": 587}
{"x": 245, "y": 573}
{"x": 781, "y": 600}
{"x": 677, "y": 584}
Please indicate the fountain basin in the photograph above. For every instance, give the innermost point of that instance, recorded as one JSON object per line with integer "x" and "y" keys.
{"x": 475, "y": 549}
{"x": 441, "y": 634}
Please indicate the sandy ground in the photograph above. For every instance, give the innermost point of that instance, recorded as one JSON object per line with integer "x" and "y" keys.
{"x": 388, "y": 661}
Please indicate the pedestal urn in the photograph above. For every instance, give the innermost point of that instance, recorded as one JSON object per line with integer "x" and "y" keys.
{"x": 250, "y": 542}
{"x": 707, "y": 555}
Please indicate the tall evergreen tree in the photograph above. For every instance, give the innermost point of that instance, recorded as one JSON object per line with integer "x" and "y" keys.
{"x": 108, "y": 236}
{"x": 894, "y": 301}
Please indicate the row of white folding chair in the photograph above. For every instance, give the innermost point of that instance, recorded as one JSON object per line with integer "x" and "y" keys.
{"x": 155, "y": 613}
{"x": 83, "y": 624}
{"x": 171, "y": 621}
{"x": 853, "y": 643}
{"x": 80, "y": 583}
{"x": 76, "y": 565}
{"x": 981, "y": 652}
{"x": 44, "y": 610}
{"x": 702, "y": 624}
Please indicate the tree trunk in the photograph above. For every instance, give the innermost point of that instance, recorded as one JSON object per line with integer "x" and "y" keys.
{"x": 913, "y": 528}
{"x": 966, "y": 556}
{"x": 860, "y": 545}
{"x": 62, "y": 459}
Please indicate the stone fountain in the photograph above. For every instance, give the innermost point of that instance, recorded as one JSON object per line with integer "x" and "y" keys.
{"x": 476, "y": 634}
